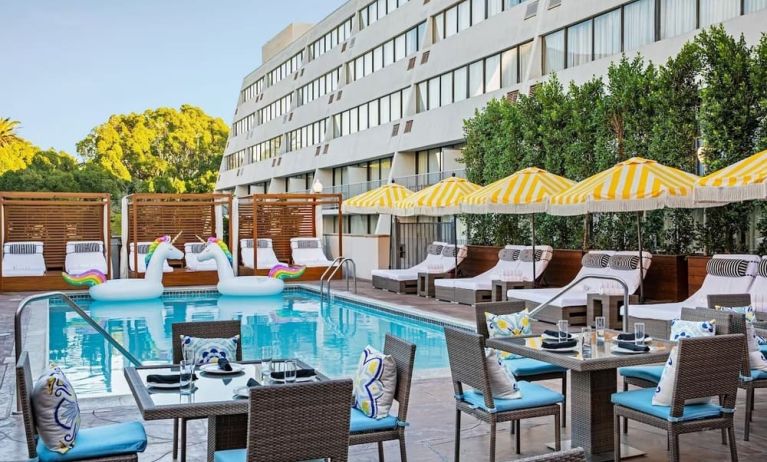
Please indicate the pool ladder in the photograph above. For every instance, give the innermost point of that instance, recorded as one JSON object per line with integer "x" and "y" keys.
{"x": 330, "y": 272}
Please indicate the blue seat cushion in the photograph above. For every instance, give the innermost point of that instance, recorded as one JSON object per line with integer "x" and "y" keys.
{"x": 107, "y": 440}
{"x": 649, "y": 373}
{"x": 360, "y": 423}
{"x": 757, "y": 374}
{"x": 230, "y": 455}
{"x": 763, "y": 349}
{"x": 641, "y": 400}
{"x": 524, "y": 367}
{"x": 533, "y": 395}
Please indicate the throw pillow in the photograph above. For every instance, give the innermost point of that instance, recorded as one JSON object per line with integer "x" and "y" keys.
{"x": 748, "y": 311}
{"x": 508, "y": 325}
{"x": 375, "y": 383}
{"x": 689, "y": 329}
{"x": 755, "y": 356}
{"x": 727, "y": 267}
{"x": 502, "y": 382}
{"x": 665, "y": 389}
{"x": 210, "y": 350}
{"x": 57, "y": 412}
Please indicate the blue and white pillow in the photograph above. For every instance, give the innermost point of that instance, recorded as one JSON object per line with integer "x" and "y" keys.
{"x": 375, "y": 383}
{"x": 755, "y": 356}
{"x": 665, "y": 390}
{"x": 57, "y": 412}
{"x": 748, "y": 311}
{"x": 210, "y": 350}
{"x": 509, "y": 325}
{"x": 681, "y": 329}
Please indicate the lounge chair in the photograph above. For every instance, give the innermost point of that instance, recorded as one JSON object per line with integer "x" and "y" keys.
{"x": 266, "y": 256}
{"x": 515, "y": 259}
{"x": 439, "y": 258}
{"x": 571, "y": 306}
{"x": 143, "y": 249}
{"x": 726, "y": 274}
{"x": 307, "y": 251}
{"x": 23, "y": 259}
{"x": 85, "y": 255}
{"x": 191, "y": 250}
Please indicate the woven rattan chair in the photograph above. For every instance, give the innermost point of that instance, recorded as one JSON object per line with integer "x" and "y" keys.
{"x": 571, "y": 455}
{"x": 551, "y": 372}
{"x": 303, "y": 421}
{"x": 201, "y": 329}
{"x": 24, "y": 386}
{"x": 706, "y": 367}
{"x": 404, "y": 356}
{"x": 466, "y": 352}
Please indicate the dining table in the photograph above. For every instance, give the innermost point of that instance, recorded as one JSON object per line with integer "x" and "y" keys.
{"x": 213, "y": 396}
{"x": 593, "y": 379}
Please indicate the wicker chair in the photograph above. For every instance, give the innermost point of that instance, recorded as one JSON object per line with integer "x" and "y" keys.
{"x": 466, "y": 352}
{"x": 571, "y": 455}
{"x": 707, "y": 367}
{"x": 552, "y": 372}
{"x": 202, "y": 329}
{"x": 404, "y": 356}
{"x": 24, "y": 386}
{"x": 318, "y": 429}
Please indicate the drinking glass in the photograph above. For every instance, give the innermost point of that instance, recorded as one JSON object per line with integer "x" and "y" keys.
{"x": 291, "y": 370}
{"x": 266, "y": 361}
{"x": 639, "y": 333}
{"x": 187, "y": 354}
{"x": 586, "y": 336}
{"x": 186, "y": 371}
{"x": 562, "y": 325}
{"x": 599, "y": 325}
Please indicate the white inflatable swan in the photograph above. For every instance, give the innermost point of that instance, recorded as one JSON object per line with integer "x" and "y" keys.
{"x": 228, "y": 283}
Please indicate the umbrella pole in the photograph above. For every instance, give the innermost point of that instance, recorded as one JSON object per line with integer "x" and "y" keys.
{"x": 641, "y": 258}
{"x": 532, "y": 235}
{"x": 455, "y": 240}
{"x": 391, "y": 241}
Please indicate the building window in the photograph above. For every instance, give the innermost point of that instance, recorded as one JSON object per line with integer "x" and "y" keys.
{"x": 579, "y": 44}
{"x": 288, "y": 67}
{"x": 387, "y": 53}
{"x": 252, "y": 90}
{"x": 331, "y": 39}
{"x": 750, "y": 6}
{"x": 319, "y": 87}
{"x": 275, "y": 109}
{"x": 677, "y": 17}
{"x": 715, "y": 11}
{"x": 638, "y": 24}
{"x": 467, "y": 13}
{"x": 307, "y": 135}
{"x": 607, "y": 34}
{"x": 371, "y": 114}
{"x": 376, "y": 10}
{"x": 492, "y": 73}
{"x": 554, "y": 52}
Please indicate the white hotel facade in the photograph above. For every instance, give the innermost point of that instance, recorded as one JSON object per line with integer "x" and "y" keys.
{"x": 378, "y": 90}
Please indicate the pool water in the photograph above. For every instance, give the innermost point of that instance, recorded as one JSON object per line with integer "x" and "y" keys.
{"x": 329, "y": 335}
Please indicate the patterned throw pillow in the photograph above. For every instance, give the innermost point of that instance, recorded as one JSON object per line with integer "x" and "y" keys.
{"x": 434, "y": 249}
{"x": 508, "y": 325}
{"x": 86, "y": 247}
{"x": 665, "y": 389}
{"x": 728, "y": 267}
{"x": 681, "y": 329}
{"x": 595, "y": 260}
{"x": 247, "y": 243}
{"x": 450, "y": 251}
{"x": 763, "y": 268}
{"x": 22, "y": 248}
{"x": 624, "y": 262}
{"x": 755, "y": 356}
{"x": 502, "y": 381}
{"x": 508, "y": 254}
{"x": 748, "y": 311}
{"x": 307, "y": 244}
{"x": 57, "y": 412}
{"x": 526, "y": 255}
{"x": 197, "y": 248}
{"x": 210, "y": 350}
{"x": 375, "y": 383}
{"x": 263, "y": 244}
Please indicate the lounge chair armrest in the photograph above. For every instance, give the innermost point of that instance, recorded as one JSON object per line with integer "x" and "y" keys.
{"x": 730, "y": 300}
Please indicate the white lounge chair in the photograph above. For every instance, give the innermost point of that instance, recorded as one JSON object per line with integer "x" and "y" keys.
{"x": 143, "y": 249}
{"x": 83, "y": 256}
{"x": 572, "y": 304}
{"x": 515, "y": 263}
{"x": 307, "y": 251}
{"x": 758, "y": 290}
{"x": 266, "y": 256}
{"x": 23, "y": 259}
{"x": 440, "y": 258}
{"x": 191, "y": 250}
{"x": 725, "y": 274}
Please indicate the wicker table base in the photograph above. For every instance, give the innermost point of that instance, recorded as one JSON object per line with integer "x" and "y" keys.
{"x": 627, "y": 452}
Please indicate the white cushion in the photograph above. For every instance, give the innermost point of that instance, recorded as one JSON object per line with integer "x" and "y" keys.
{"x": 375, "y": 383}
{"x": 397, "y": 275}
{"x": 57, "y": 412}
{"x": 76, "y": 263}
{"x": 23, "y": 265}
{"x": 665, "y": 389}
{"x": 659, "y": 311}
{"x": 575, "y": 297}
{"x": 502, "y": 382}
{"x": 682, "y": 329}
{"x": 311, "y": 257}
{"x": 475, "y": 283}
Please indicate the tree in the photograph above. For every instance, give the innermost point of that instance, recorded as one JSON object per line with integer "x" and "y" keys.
{"x": 159, "y": 150}
{"x": 8, "y": 131}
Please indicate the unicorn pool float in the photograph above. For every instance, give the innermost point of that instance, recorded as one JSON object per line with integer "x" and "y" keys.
{"x": 229, "y": 284}
{"x": 131, "y": 289}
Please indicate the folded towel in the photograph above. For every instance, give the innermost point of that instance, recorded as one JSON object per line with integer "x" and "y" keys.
{"x": 300, "y": 374}
{"x": 165, "y": 379}
{"x": 629, "y": 337}
{"x": 224, "y": 365}
{"x": 553, "y": 345}
{"x": 633, "y": 346}
{"x": 555, "y": 333}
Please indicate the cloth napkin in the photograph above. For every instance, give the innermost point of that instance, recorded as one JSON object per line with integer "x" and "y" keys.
{"x": 252, "y": 383}
{"x": 166, "y": 379}
{"x": 553, "y": 345}
{"x": 224, "y": 365}
{"x": 300, "y": 374}
{"x": 633, "y": 346}
{"x": 555, "y": 333}
{"x": 629, "y": 337}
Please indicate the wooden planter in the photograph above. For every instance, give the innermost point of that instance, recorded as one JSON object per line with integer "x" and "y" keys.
{"x": 696, "y": 272}
{"x": 666, "y": 280}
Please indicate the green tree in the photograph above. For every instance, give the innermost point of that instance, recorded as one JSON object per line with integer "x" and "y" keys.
{"x": 8, "y": 131}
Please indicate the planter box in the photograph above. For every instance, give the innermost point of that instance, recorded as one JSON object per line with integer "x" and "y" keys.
{"x": 696, "y": 272}
{"x": 667, "y": 278}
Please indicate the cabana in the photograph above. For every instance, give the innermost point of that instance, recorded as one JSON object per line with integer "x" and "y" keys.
{"x": 280, "y": 219}
{"x": 43, "y": 234}
{"x": 148, "y": 216}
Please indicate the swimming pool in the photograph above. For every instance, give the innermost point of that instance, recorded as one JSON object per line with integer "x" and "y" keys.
{"x": 329, "y": 336}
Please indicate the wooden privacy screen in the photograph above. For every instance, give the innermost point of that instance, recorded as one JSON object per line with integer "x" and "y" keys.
{"x": 153, "y": 215}
{"x": 281, "y": 217}
{"x": 55, "y": 219}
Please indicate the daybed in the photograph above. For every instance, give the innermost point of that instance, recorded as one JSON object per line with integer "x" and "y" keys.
{"x": 83, "y": 256}
{"x": 266, "y": 256}
{"x": 191, "y": 250}
{"x": 307, "y": 251}
{"x": 23, "y": 259}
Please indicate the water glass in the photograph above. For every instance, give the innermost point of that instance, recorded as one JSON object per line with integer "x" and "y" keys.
{"x": 599, "y": 325}
{"x": 186, "y": 372}
{"x": 562, "y": 325}
{"x": 586, "y": 337}
{"x": 187, "y": 354}
{"x": 291, "y": 370}
{"x": 266, "y": 361}
{"x": 639, "y": 333}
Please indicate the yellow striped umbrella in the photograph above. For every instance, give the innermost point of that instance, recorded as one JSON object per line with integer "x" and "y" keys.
{"x": 526, "y": 191}
{"x": 741, "y": 181}
{"x": 443, "y": 198}
{"x": 633, "y": 185}
{"x": 379, "y": 200}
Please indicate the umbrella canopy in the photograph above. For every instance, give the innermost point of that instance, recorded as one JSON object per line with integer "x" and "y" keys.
{"x": 741, "y": 181}
{"x": 526, "y": 191}
{"x": 633, "y": 185}
{"x": 443, "y": 198}
{"x": 379, "y": 200}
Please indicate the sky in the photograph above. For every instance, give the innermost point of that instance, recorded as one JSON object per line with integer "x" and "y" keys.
{"x": 66, "y": 66}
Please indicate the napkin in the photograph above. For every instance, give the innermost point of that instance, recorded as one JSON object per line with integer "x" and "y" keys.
{"x": 252, "y": 383}
{"x": 559, "y": 345}
{"x": 224, "y": 365}
{"x": 633, "y": 346}
{"x": 300, "y": 374}
{"x": 165, "y": 379}
{"x": 555, "y": 333}
{"x": 629, "y": 337}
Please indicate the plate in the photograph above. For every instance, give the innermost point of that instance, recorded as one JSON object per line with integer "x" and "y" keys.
{"x": 561, "y": 350}
{"x": 302, "y": 379}
{"x": 165, "y": 386}
{"x": 552, "y": 337}
{"x": 215, "y": 370}
{"x": 621, "y": 351}
{"x": 646, "y": 339}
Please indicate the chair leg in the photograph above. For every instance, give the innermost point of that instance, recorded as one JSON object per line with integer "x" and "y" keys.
{"x": 380, "y": 452}
{"x": 518, "y": 436}
{"x": 724, "y": 437}
{"x": 492, "y": 441}
{"x": 557, "y": 434}
{"x": 175, "y": 439}
{"x": 674, "y": 456}
{"x": 733, "y": 446}
{"x": 749, "y": 407}
{"x": 564, "y": 401}
{"x": 402, "y": 447}
{"x": 625, "y": 420}
{"x": 457, "y": 455}
{"x": 513, "y": 427}
{"x": 617, "y": 442}
{"x": 182, "y": 444}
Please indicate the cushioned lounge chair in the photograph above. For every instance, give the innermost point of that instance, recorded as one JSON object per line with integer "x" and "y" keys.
{"x": 725, "y": 274}
{"x": 23, "y": 259}
{"x": 307, "y": 251}
{"x": 514, "y": 259}
{"x": 572, "y": 305}
{"x": 406, "y": 280}
{"x": 266, "y": 256}
{"x": 191, "y": 250}
{"x": 83, "y": 256}
{"x": 143, "y": 249}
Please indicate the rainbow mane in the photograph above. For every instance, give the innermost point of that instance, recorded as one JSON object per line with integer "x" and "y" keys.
{"x": 286, "y": 272}
{"x": 153, "y": 247}
{"x": 89, "y": 278}
{"x": 223, "y": 246}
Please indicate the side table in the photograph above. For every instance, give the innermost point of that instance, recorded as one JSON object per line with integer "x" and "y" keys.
{"x": 426, "y": 283}
{"x": 607, "y": 305}
{"x": 500, "y": 288}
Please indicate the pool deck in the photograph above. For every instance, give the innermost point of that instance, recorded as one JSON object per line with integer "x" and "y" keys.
{"x": 429, "y": 436}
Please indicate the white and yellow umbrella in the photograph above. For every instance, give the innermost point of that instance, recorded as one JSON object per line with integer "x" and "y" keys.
{"x": 379, "y": 200}
{"x": 526, "y": 191}
{"x": 443, "y": 198}
{"x": 741, "y": 181}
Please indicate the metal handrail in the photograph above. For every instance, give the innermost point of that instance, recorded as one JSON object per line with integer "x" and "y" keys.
{"x": 325, "y": 273}
{"x": 568, "y": 287}
{"x": 342, "y": 261}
